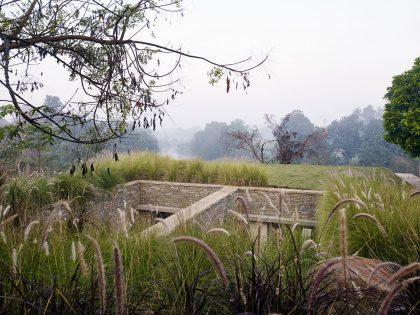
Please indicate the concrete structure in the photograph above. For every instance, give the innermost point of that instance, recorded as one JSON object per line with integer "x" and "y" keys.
{"x": 410, "y": 178}
{"x": 208, "y": 204}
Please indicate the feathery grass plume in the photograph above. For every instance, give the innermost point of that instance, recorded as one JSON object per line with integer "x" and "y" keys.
{"x": 46, "y": 229}
{"x": 295, "y": 225}
{"x": 415, "y": 193}
{"x": 320, "y": 275}
{"x": 14, "y": 261}
{"x": 243, "y": 204}
{"x": 402, "y": 273}
{"x": 243, "y": 297}
{"x": 100, "y": 269}
{"x": 379, "y": 266}
{"x": 5, "y": 211}
{"x": 75, "y": 223}
{"x": 46, "y": 248}
{"x": 214, "y": 259}
{"x": 238, "y": 216}
{"x": 363, "y": 194}
{"x": 369, "y": 195}
{"x": 160, "y": 220}
{"x": 119, "y": 281}
{"x": 81, "y": 253}
{"x": 248, "y": 196}
{"x": 28, "y": 230}
{"x": 384, "y": 308}
{"x": 250, "y": 254}
{"x": 380, "y": 205}
{"x": 343, "y": 242}
{"x": 9, "y": 219}
{"x": 281, "y": 200}
{"x": 295, "y": 214}
{"x": 133, "y": 212}
{"x": 73, "y": 251}
{"x": 123, "y": 221}
{"x": 67, "y": 206}
{"x": 308, "y": 244}
{"x": 378, "y": 197}
{"x": 373, "y": 219}
{"x": 270, "y": 202}
{"x": 340, "y": 203}
{"x": 218, "y": 230}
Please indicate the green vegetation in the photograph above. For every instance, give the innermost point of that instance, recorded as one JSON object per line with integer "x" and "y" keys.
{"x": 151, "y": 166}
{"x": 393, "y": 237}
{"x": 159, "y": 275}
{"x": 52, "y": 265}
{"x": 310, "y": 176}
{"x": 402, "y": 112}
{"x": 34, "y": 192}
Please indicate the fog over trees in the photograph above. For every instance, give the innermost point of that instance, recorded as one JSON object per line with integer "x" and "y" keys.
{"x": 356, "y": 139}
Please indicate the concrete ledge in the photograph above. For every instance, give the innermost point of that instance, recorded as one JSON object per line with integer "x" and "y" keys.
{"x": 285, "y": 190}
{"x": 410, "y": 178}
{"x": 152, "y": 182}
{"x": 276, "y": 219}
{"x": 195, "y": 210}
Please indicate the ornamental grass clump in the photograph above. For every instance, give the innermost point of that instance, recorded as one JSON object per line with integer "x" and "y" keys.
{"x": 381, "y": 236}
{"x": 384, "y": 221}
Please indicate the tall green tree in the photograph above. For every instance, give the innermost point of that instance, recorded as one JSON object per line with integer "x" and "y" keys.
{"x": 402, "y": 111}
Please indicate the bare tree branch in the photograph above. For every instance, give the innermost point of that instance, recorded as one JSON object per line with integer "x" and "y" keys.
{"x": 95, "y": 41}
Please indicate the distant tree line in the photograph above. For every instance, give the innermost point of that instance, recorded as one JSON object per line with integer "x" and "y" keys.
{"x": 356, "y": 139}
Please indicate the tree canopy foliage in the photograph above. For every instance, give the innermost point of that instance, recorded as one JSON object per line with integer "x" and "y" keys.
{"x": 125, "y": 80}
{"x": 402, "y": 112}
{"x": 211, "y": 143}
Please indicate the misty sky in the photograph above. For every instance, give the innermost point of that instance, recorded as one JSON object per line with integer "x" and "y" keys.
{"x": 327, "y": 57}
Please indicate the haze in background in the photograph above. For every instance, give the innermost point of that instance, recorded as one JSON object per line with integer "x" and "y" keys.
{"x": 327, "y": 57}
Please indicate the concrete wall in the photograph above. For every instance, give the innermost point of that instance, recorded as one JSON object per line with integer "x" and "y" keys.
{"x": 142, "y": 192}
{"x": 182, "y": 195}
{"x": 178, "y": 195}
{"x": 304, "y": 201}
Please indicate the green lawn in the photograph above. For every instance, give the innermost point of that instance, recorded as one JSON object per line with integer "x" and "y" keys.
{"x": 308, "y": 176}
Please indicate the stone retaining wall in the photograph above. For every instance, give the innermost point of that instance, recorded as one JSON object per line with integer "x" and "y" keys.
{"x": 182, "y": 195}
{"x": 301, "y": 201}
{"x": 143, "y": 192}
{"x": 178, "y": 195}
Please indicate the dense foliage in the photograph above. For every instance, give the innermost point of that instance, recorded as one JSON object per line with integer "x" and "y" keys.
{"x": 402, "y": 112}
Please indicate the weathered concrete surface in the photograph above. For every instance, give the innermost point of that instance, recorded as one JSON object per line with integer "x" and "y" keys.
{"x": 293, "y": 201}
{"x": 207, "y": 204}
{"x": 410, "y": 178}
{"x": 205, "y": 210}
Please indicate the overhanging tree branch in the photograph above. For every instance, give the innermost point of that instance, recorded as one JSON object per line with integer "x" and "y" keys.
{"x": 95, "y": 42}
